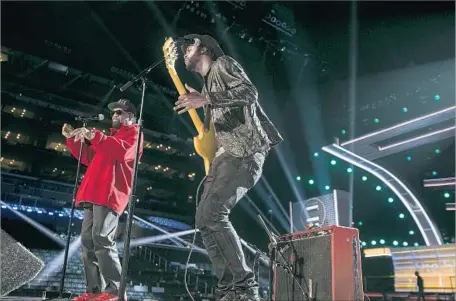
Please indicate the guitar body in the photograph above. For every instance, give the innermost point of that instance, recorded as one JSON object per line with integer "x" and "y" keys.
{"x": 205, "y": 147}
{"x": 205, "y": 144}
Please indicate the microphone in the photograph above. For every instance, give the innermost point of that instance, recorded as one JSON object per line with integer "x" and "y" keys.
{"x": 99, "y": 117}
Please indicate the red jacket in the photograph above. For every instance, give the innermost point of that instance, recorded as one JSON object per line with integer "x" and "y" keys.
{"x": 110, "y": 159}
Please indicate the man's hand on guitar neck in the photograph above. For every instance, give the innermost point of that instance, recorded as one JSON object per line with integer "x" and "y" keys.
{"x": 191, "y": 100}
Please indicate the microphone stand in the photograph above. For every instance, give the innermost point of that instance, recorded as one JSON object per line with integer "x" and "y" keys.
{"x": 131, "y": 200}
{"x": 70, "y": 222}
{"x": 273, "y": 250}
{"x": 272, "y": 254}
{"x": 141, "y": 75}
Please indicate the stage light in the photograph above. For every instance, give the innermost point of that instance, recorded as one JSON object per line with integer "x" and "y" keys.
{"x": 343, "y": 132}
{"x": 298, "y": 178}
{"x": 58, "y": 67}
{"x": 434, "y": 173}
{"x": 327, "y": 187}
{"x": 411, "y": 232}
{"x": 363, "y": 243}
{"x": 409, "y": 158}
{"x": 349, "y": 169}
{"x": 364, "y": 178}
{"x": 376, "y": 120}
{"x": 382, "y": 241}
{"x": 390, "y": 200}
{"x": 311, "y": 182}
{"x": 416, "y": 244}
{"x": 401, "y": 215}
{"x": 395, "y": 243}
{"x": 446, "y": 195}
{"x": 333, "y": 162}
{"x": 404, "y": 110}
{"x": 437, "y": 151}
{"x": 373, "y": 242}
{"x": 378, "y": 188}
{"x": 316, "y": 154}
{"x": 405, "y": 243}
{"x": 360, "y": 223}
{"x": 436, "y": 97}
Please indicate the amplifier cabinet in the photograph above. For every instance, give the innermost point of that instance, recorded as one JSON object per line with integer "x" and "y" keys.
{"x": 326, "y": 262}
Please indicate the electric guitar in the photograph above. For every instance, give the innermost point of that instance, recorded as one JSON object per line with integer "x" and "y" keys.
{"x": 204, "y": 143}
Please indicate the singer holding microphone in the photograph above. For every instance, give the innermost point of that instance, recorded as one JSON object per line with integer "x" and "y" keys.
{"x": 103, "y": 194}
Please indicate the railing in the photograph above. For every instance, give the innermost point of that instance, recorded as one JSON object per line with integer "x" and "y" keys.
{"x": 382, "y": 288}
{"x": 193, "y": 277}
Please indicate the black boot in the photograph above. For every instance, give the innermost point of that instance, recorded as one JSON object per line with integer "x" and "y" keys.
{"x": 226, "y": 296}
{"x": 250, "y": 294}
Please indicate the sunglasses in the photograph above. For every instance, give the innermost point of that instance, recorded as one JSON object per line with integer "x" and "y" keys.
{"x": 118, "y": 112}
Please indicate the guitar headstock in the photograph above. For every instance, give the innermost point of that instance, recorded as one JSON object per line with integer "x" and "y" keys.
{"x": 170, "y": 53}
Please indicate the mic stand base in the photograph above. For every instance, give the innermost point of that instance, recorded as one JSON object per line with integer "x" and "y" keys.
{"x": 272, "y": 263}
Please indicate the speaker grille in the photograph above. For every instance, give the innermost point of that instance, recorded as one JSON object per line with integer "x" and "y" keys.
{"x": 310, "y": 259}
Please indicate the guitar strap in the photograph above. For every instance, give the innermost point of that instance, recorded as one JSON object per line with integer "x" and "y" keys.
{"x": 207, "y": 108}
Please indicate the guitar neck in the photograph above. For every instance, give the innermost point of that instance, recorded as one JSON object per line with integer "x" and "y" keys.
{"x": 193, "y": 114}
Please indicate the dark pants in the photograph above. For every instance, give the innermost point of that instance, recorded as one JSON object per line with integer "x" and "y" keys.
{"x": 421, "y": 294}
{"x": 99, "y": 252}
{"x": 228, "y": 180}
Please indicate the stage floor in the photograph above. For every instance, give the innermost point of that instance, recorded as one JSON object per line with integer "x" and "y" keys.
{"x": 23, "y": 298}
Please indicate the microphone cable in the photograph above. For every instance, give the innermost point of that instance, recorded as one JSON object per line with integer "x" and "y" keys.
{"x": 193, "y": 241}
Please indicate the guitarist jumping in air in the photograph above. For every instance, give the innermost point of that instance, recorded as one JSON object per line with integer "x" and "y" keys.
{"x": 244, "y": 136}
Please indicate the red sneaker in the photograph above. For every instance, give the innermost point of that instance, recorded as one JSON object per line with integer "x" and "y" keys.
{"x": 108, "y": 297}
{"x": 85, "y": 297}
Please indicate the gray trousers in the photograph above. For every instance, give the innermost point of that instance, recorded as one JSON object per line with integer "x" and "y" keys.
{"x": 228, "y": 180}
{"x": 99, "y": 252}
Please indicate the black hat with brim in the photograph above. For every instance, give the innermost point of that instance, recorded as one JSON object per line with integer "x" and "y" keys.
{"x": 123, "y": 104}
{"x": 206, "y": 41}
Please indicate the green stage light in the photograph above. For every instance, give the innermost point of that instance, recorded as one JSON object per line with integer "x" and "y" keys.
{"x": 298, "y": 178}
{"x": 390, "y": 200}
{"x": 364, "y": 178}
{"x": 401, "y": 215}
{"x": 333, "y": 162}
{"x": 378, "y": 188}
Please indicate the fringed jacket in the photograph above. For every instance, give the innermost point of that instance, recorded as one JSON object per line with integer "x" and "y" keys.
{"x": 241, "y": 126}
